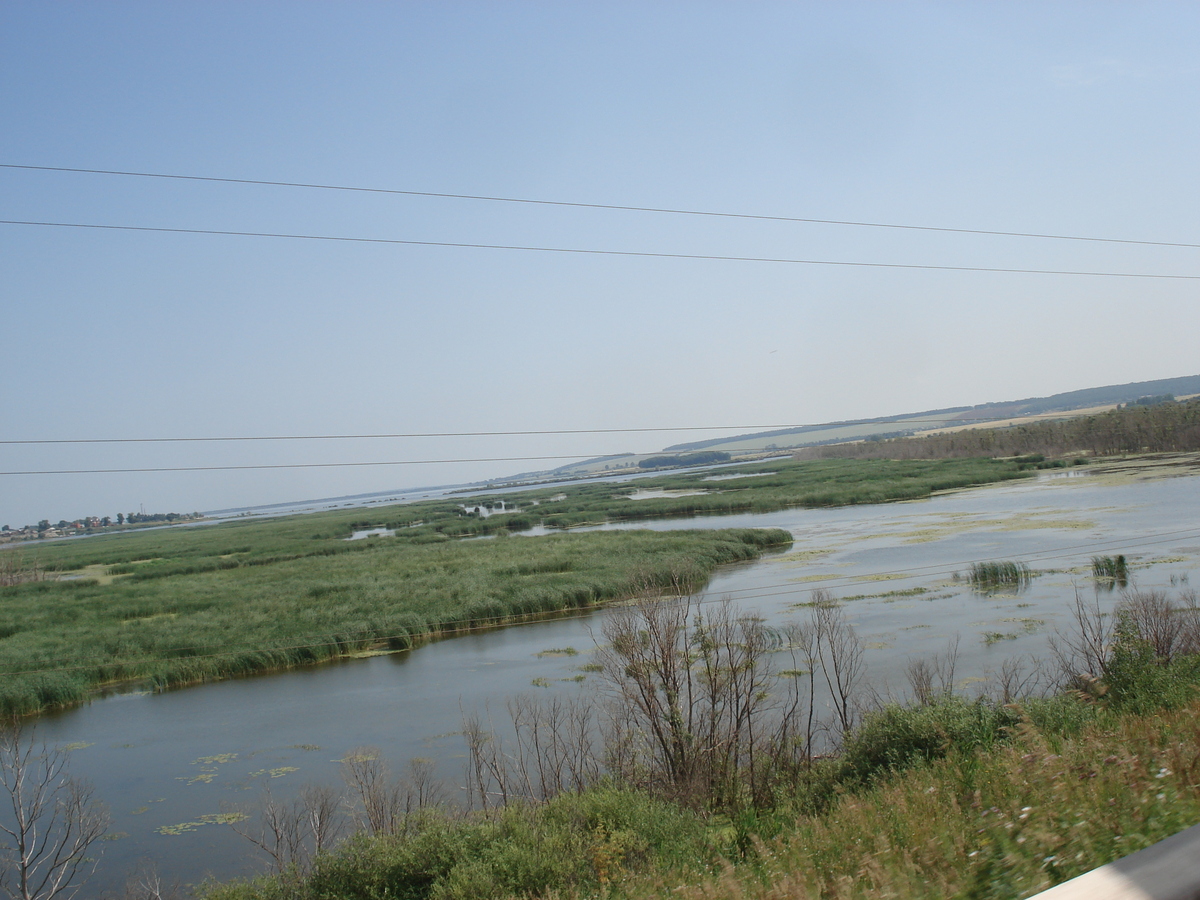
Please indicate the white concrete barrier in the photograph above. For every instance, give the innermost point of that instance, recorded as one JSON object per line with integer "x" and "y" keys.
{"x": 1169, "y": 870}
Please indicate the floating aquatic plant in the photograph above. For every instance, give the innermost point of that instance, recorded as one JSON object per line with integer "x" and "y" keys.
{"x": 559, "y": 651}
{"x": 275, "y": 773}
{"x": 212, "y": 819}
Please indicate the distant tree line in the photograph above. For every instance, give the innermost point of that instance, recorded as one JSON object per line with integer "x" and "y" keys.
{"x": 1150, "y": 401}
{"x": 702, "y": 458}
{"x": 1160, "y": 425}
{"x": 142, "y": 518}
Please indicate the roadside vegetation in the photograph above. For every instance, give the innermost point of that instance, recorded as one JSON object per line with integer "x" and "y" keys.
{"x": 700, "y": 779}
{"x": 184, "y": 605}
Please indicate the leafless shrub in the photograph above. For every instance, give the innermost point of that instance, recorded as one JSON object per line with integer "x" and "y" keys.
{"x": 292, "y": 833}
{"x": 919, "y": 673}
{"x": 840, "y": 659}
{"x": 1169, "y": 629}
{"x": 1018, "y": 679}
{"x": 946, "y": 666}
{"x": 50, "y": 823}
{"x": 323, "y": 820}
{"x": 1188, "y": 612}
{"x": 798, "y": 724}
{"x": 422, "y": 789}
{"x": 696, "y": 688}
{"x": 556, "y": 747}
{"x": 146, "y": 884}
{"x": 1082, "y": 652}
{"x": 370, "y": 780}
{"x": 555, "y": 744}
{"x": 384, "y": 803}
{"x": 488, "y": 774}
{"x": 695, "y": 706}
{"x": 932, "y": 678}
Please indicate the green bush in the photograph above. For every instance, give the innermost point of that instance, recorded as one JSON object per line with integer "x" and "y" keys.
{"x": 1140, "y": 683}
{"x": 1060, "y": 716}
{"x": 898, "y": 737}
{"x": 575, "y": 842}
{"x": 403, "y": 867}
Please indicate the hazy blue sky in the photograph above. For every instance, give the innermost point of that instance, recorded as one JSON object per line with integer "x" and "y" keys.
{"x": 1074, "y": 118}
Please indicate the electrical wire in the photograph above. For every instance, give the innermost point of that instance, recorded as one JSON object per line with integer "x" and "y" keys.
{"x": 608, "y": 206}
{"x": 755, "y": 593}
{"x": 908, "y": 420}
{"x": 642, "y": 254}
{"x": 419, "y": 434}
{"x": 329, "y": 465}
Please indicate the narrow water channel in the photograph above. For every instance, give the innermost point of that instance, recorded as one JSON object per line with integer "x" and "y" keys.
{"x": 169, "y": 765}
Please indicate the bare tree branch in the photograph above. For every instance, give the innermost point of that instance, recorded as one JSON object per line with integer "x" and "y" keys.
{"x": 50, "y": 822}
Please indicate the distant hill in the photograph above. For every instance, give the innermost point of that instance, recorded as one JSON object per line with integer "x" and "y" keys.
{"x": 914, "y": 423}
{"x": 902, "y": 425}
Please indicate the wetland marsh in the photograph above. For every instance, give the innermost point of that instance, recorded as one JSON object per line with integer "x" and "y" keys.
{"x": 180, "y": 607}
{"x": 170, "y": 763}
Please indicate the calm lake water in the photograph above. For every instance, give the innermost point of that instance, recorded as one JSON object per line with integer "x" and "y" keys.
{"x": 165, "y": 762}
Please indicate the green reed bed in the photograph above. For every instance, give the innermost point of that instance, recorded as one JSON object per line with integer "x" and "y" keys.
{"x": 67, "y": 638}
{"x": 769, "y": 487}
{"x": 774, "y": 485}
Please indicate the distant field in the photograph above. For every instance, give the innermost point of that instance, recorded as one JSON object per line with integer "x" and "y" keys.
{"x": 183, "y": 605}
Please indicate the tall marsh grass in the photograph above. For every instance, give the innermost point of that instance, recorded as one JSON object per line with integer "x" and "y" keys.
{"x": 990, "y": 577}
{"x": 66, "y": 638}
{"x": 1111, "y": 569}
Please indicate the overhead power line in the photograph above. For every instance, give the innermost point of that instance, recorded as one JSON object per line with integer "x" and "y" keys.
{"x": 949, "y": 423}
{"x": 328, "y": 465}
{"x": 646, "y": 254}
{"x": 609, "y": 206}
{"x": 412, "y": 434}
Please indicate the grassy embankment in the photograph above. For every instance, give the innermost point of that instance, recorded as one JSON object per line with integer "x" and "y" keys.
{"x": 951, "y": 799}
{"x": 191, "y": 604}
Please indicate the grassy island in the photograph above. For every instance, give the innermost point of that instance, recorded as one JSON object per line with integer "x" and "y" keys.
{"x": 190, "y": 604}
